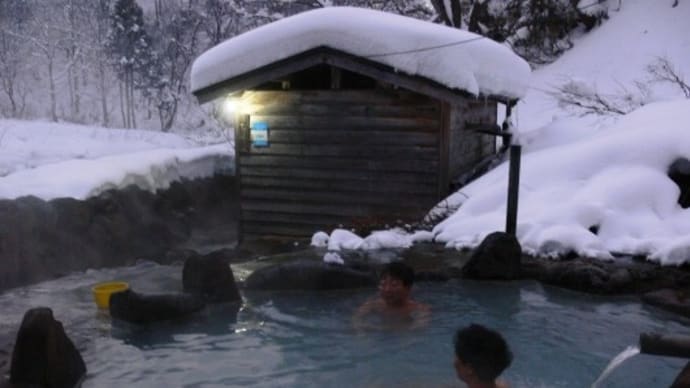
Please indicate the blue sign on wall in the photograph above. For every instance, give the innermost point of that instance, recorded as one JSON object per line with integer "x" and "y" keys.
{"x": 259, "y": 134}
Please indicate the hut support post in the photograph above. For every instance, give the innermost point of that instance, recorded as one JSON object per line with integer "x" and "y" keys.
{"x": 513, "y": 184}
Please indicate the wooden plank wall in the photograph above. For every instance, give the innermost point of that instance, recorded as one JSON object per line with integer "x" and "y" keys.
{"x": 338, "y": 157}
{"x": 466, "y": 147}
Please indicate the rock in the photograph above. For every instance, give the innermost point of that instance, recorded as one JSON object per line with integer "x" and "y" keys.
{"x": 138, "y": 308}
{"x": 43, "y": 354}
{"x": 227, "y": 255}
{"x": 308, "y": 275}
{"x": 41, "y": 240}
{"x": 676, "y": 301}
{"x": 679, "y": 172}
{"x": 430, "y": 276}
{"x": 620, "y": 278}
{"x": 497, "y": 257}
{"x": 582, "y": 277}
{"x": 177, "y": 256}
{"x": 6, "y": 345}
{"x": 210, "y": 278}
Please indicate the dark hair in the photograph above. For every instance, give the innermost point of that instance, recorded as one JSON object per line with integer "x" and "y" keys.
{"x": 399, "y": 270}
{"x": 484, "y": 350}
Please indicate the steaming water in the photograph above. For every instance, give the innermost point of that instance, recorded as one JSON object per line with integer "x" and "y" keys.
{"x": 299, "y": 339}
{"x": 630, "y": 351}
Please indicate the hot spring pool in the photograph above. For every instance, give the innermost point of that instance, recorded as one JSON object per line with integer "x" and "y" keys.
{"x": 299, "y": 339}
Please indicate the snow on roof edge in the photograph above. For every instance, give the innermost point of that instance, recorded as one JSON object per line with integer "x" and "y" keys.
{"x": 470, "y": 62}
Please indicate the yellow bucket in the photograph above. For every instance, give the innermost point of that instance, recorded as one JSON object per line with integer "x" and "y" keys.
{"x": 102, "y": 292}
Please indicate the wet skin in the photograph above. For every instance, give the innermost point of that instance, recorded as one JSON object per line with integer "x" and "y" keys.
{"x": 392, "y": 309}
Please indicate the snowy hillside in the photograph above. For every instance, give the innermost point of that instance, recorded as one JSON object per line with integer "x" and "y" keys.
{"x": 608, "y": 172}
{"x": 595, "y": 173}
{"x": 610, "y": 58}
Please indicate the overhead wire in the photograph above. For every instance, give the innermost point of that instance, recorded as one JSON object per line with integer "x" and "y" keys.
{"x": 455, "y": 43}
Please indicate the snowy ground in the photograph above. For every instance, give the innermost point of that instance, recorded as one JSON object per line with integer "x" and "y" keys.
{"x": 576, "y": 172}
{"x": 49, "y": 160}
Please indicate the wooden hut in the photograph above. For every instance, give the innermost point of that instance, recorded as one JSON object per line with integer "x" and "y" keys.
{"x": 325, "y": 137}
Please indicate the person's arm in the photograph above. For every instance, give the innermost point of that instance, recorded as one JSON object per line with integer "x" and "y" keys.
{"x": 359, "y": 320}
{"x": 421, "y": 316}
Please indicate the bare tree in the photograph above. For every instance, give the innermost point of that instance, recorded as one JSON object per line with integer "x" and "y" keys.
{"x": 662, "y": 70}
{"x": 14, "y": 17}
{"x": 75, "y": 13}
{"x": 46, "y": 36}
{"x": 585, "y": 99}
{"x": 176, "y": 39}
{"x": 96, "y": 43}
{"x": 449, "y": 11}
{"x": 220, "y": 18}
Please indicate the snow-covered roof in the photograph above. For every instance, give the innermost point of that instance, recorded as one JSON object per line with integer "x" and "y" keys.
{"x": 455, "y": 58}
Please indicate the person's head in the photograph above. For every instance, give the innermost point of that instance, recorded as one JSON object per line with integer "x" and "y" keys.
{"x": 395, "y": 283}
{"x": 481, "y": 354}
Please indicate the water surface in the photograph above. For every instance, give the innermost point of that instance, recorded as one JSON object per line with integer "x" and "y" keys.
{"x": 305, "y": 339}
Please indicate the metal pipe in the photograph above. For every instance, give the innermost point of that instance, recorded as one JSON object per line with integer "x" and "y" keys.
{"x": 665, "y": 345}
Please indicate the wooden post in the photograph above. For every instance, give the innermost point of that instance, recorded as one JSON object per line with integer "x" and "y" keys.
{"x": 513, "y": 185}
{"x": 242, "y": 138}
{"x": 242, "y": 146}
{"x": 507, "y": 138}
{"x": 335, "y": 78}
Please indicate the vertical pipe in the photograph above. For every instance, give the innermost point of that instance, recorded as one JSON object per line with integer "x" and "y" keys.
{"x": 513, "y": 184}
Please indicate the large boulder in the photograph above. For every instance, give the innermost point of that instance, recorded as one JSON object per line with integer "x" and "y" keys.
{"x": 210, "y": 278}
{"x": 679, "y": 172}
{"x": 677, "y": 301}
{"x": 309, "y": 275}
{"x": 582, "y": 276}
{"x": 497, "y": 257}
{"x": 138, "y": 308}
{"x": 43, "y": 354}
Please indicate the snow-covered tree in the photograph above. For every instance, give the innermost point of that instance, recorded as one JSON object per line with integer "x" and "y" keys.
{"x": 220, "y": 20}
{"x": 130, "y": 49}
{"x": 538, "y": 30}
{"x": 176, "y": 39}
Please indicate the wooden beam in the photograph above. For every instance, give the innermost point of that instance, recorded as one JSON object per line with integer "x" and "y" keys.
{"x": 489, "y": 129}
{"x": 335, "y": 184}
{"x": 382, "y": 177}
{"x": 337, "y": 163}
{"x": 340, "y": 59}
{"x": 250, "y": 79}
{"x": 351, "y": 151}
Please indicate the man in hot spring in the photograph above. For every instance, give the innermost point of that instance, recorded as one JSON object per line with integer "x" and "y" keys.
{"x": 393, "y": 308}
